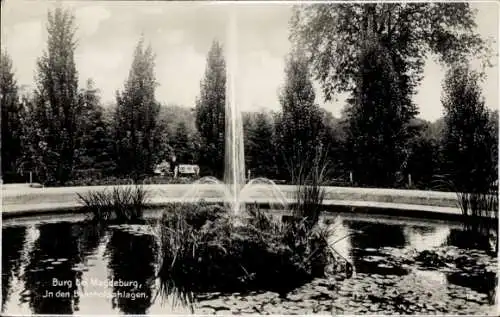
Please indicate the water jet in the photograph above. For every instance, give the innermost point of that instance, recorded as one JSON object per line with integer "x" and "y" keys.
{"x": 234, "y": 191}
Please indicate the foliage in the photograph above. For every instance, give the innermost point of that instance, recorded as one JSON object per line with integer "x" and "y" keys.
{"x": 479, "y": 206}
{"x": 378, "y": 151}
{"x": 334, "y": 37}
{"x": 333, "y": 138}
{"x": 99, "y": 181}
{"x": 60, "y": 130}
{"x": 210, "y": 112}
{"x": 57, "y": 106}
{"x": 202, "y": 252}
{"x": 300, "y": 124}
{"x": 493, "y": 132}
{"x": 11, "y": 116}
{"x": 184, "y": 144}
{"x": 423, "y": 159}
{"x": 469, "y": 141}
{"x": 94, "y": 143}
{"x": 469, "y": 153}
{"x": 32, "y": 141}
{"x": 260, "y": 153}
{"x": 178, "y": 134}
{"x": 136, "y": 116}
{"x": 123, "y": 204}
{"x": 331, "y": 34}
{"x": 310, "y": 193}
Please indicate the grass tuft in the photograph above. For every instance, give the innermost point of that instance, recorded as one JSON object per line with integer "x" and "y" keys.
{"x": 479, "y": 206}
{"x": 121, "y": 204}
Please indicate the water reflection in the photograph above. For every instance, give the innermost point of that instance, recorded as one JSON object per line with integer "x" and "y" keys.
{"x": 90, "y": 237}
{"x": 62, "y": 251}
{"x": 50, "y": 276}
{"x": 367, "y": 239}
{"x": 465, "y": 240}
{"x": 482, "y": 282}
{"x": 340, "y": 238}
{"x": 13, "y": 240}
{"x": 376, "y": 235}
{"x": 424, "y": 238}
{"x": 132, "y": 270}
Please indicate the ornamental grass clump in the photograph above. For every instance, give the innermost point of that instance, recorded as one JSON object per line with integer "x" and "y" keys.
{"x": 121, "y": 204}
{"x": 478, "y": 203}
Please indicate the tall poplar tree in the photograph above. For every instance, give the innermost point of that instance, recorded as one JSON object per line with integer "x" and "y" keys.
{"x": 300, "y": 123}
{"x": 137, "y": 116}
{"x": 469, "y": 141}
{"x": 210, "y": 112}
{"x": 57, "y": 96}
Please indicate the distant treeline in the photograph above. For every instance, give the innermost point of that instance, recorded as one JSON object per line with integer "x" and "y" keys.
{"x": 61, "y": 132}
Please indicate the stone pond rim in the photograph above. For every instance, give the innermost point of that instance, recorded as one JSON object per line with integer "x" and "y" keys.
{"x": 22, "y": 200}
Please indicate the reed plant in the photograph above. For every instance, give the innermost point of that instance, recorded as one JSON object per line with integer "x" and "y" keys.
{"x": 121, "y": 204}
{"x": 218, "y": 255}
{"x": 478, "y": 203}
{"x": 309, "y": 176}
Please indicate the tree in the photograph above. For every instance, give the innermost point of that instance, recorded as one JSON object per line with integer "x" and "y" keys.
{"x": 377, "y": 119}
{"x": 210, "y": 112}
{"x": 332, "y": 35}
{"x": 185, "y": 144}
{"x": 300, "y": 123}
{"x": 36, "y": 156}
{"x": 469, "y": 142}
{"x": 11, "y": 117}
{"x": 57, "y": 96}
{"x": 179, "y": 135}
{"x": 261, "y": 149}
{"x": 493, "y": 121}
{"x": 424, "y": 154}
{"x": 94, "y": 142}
{"x": 333, "y": 137}
{"x": 136, "y": 116}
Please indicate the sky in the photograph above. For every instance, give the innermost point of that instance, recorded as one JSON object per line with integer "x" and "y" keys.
{"x": 181, "y": 35}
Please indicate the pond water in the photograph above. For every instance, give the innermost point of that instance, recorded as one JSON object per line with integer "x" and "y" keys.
{"x": 69, "y": 266}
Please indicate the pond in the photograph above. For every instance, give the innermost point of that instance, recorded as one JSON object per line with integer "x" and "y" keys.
{"x": 68, "y": 266}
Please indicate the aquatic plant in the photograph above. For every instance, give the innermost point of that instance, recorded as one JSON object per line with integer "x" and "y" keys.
{"x": 121, "y": 204}
{"x": 481, "y": 211}
{"x": 478, "y": 203}
{"x": 218, "y": 254}
{"x": 309, "y": 177}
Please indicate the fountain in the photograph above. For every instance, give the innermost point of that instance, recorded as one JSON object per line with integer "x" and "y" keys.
{"x": 233, "y": 190}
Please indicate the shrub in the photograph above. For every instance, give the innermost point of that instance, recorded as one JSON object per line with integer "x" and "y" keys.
{"x": 123, "y": 204}
{"x": 106, "y": 181}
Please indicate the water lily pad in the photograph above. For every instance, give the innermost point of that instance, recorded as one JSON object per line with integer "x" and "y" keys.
{"x": 47, "y": 260}
{"x": 373, "y": 258}
{"x": 385, "y": 266}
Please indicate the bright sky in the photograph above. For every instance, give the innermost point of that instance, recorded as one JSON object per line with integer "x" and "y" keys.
{"x": 181, "y": 35}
